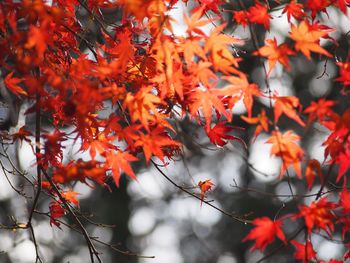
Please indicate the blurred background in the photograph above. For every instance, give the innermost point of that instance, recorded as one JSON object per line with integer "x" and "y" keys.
{"x": 150, "y": 217}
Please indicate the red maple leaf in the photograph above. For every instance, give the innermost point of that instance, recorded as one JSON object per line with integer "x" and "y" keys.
{"x": 265, "y": 232}
{"x": 218, "y": 134}
{"x": 56, "y": 211}
{"x": 301, "y": 249}
{"x": 12, "y": 84}
{"x": 318, "y": 214}
{"x": 294, "y": 9}
{"x": 258, "y": 14}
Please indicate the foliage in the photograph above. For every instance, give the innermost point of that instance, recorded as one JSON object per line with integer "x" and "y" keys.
{"x": 153, "y": 79}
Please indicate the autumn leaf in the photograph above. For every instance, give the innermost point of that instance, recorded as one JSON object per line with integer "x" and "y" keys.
{"x": 320, "y": 110}
{"x": 344, "y": 74}
{"x": 285, "y": 146}
{"x": 307, "y": 40}
{"x": 207, "y": 100}
{"x": 12, "y": 84}
{"x": 218, "y": 134}
{"x": 317, "y": 6}
{"x": 195, "y": 22}
{"x": 304, "y": 253}
{"x": 21, "y": 135}
{"x": 119, "y": 161}
{"x": 258, "y": 14}
{"x": 344, "y": 199}
{"x": 205, "y": 186}
{"x": 241, "y": 17}
{"x": 287, "y": 106}
{"x": 313, "y": 168}
{"x": 221, "y": 56}
{"x": 275, "y": 53}
{"x": 319, "y": 215}
{"x": 56, "y": 211}
{"x": 71, "y": 197}
{"x": 38, "y": 39}
{"x": 240, "y": 88}
{"x": 261, "y": 120}
{"x": 294, "y": 9}
{"x": 156, "y": 143}
{"x": 265, "y": 232}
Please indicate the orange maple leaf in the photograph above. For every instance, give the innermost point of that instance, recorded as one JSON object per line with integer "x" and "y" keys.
{"x": 307, "y": 39}
{"x": 284, "y": 146}
{"x": 195, "y": 22}
{"x": 265, "y": 232}
{"x": 157, "y": 142}
{"x": 207, "y": 100}
{"x": 313, "y": 168}
{"x": 205, "y": 186}
{"x": 287, "y": 105}
{"x": 275, "y": 53}
{"x": 70, "y": 196}
{"x": 220, "y": 55}
{"x": 238, "y": 88}
{"x": 261, "y": 120}
{"x": 119, "y": 161}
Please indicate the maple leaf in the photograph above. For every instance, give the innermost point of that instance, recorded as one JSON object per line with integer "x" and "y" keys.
{"x": 265, "y": 232}
{"x": 12, "y": 84}
{"x": 342, "y": 5}
{"x": 205, "y": 186}
{"x": 344, "y": 73}
{"x": 258, "y": 14}
{"x": 56, "y": 211}
{"x": 241, "y": 17}
{"x": 143, "y": 106}
{"x": 21, "y": 135}
{"x": 261, "y": 120}
{"x": 287, "y": 106}
{"x": 275, "y": 53}
{"x": 70, "y": 196}
{"x": 53, "y": 147}
{"x": 307, "y": 39}
{"x": 38, "y": 38}
{"x": 194, "y": 22}
{"x": 119, "y": 161}
{"x": 301, "y": 249}
{"x": 191, "y": 47}
{"x": 317, "y": 6}
{"x": 206, "y": 5}
{"x": 156, "y": 143}
{"x": 344, "y": 199}
{"x": 218, "y": 134}
{"x": 202, "y": 73}
{"x": 238, "y": 88}
{"x": 221, "y": 57}
{"x": 284, "y": 146}
{"x": 294, "y": 9}
{"x": 98, "y": 145}
{"x": 319, "y": 110}
{"x": 319, "y": 214}
{"x": 343, "y": 159}
{"x": 313, "y": 168}
{"x": 206, "y": 100}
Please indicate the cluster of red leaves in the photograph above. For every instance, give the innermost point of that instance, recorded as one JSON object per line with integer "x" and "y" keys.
{"x": 150, "y": 81}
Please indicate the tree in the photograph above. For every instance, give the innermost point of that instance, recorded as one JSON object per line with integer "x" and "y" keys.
{"x": 67, "y": 61}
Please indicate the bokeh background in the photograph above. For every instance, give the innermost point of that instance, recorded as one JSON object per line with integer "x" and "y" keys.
{"x": 150, "y": 217}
